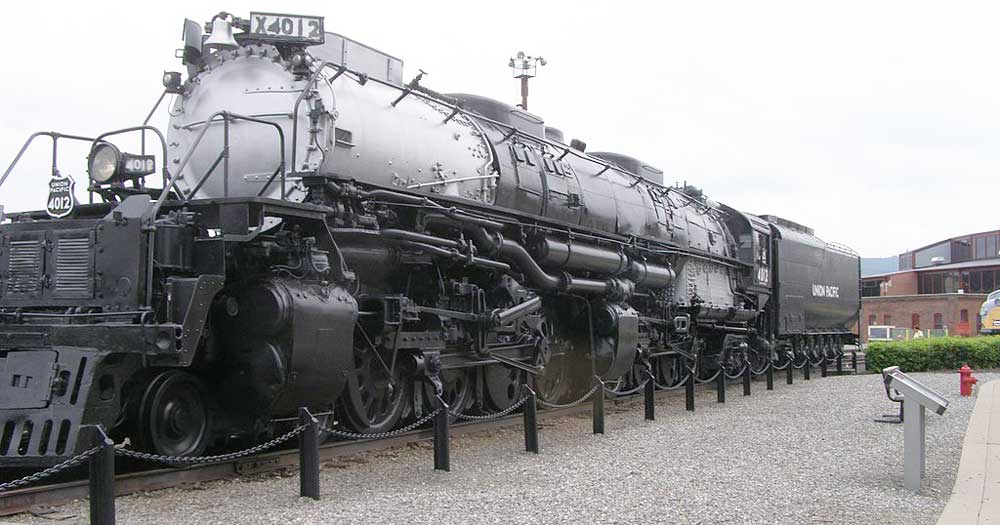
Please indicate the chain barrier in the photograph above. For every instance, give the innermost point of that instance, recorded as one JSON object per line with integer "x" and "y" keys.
{"x": 380, "y": 435}
{"x": 51, "y": 471}
{"x": 709, "y": 380}
{"x": 767, "y": 365}
{"x": 505, "y": 412}
{"x": 680, "y": 384}
{"x": 737, "y": 375}
{"x": 200, "y": 460}
{"x": 620, "y": 393}
{"x": 574, "y": 403}
{"x": 780, "y": 368}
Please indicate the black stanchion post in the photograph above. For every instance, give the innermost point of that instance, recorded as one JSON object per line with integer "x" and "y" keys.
{"x": 746, "y": 379}
{"x": 531, "y": 422}
{"x": 789, "y": 371}
{"x": 806, "y": 370}
{"x": 308, "y": 455}
{"x": 102, "y": 476}
{"x": 854, "y": 361}
{"x": 770, "y": 376}
{"x": 650, "y": 391}
{"x": 720, "y": 387}
{"x": 598, "y": 412}
{"x": 689, "y": 392}
{"x": 840, "y": 363}
{"x": 822, "y": 368}
{"x": 442, "y": 454}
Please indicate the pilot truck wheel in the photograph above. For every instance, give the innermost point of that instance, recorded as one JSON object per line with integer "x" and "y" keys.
{"x": 173, "y": 415}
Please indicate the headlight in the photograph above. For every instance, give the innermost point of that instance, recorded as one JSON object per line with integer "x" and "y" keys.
{"x": 104, "y": 161}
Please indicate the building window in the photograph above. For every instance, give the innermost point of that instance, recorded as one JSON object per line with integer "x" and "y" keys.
{"x": 872, "y": 320}
{"x": 871, "y": 288}
{"x": 936, "y": 283}
{"x": 938, "y": 321}
{"x": 963, "y": 316}
{"x": 980, "y": 247}
{"x": 915, "y": 321}
{"x": 983, "y": 281}
{"x": 961, "y": 250}
{"x": 986, "y": 246}
{"x": 887, "y": 319}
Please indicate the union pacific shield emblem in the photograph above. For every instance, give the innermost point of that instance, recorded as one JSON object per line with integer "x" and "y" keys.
{"x": 61, "y": 200}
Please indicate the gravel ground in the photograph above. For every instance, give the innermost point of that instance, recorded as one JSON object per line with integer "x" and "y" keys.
{"x": 807, "y": 453}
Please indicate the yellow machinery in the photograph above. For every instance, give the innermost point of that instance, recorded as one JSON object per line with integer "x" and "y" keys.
{"x": 989, "y": 314}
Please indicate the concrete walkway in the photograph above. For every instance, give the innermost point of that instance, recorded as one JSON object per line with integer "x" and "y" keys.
{"x": 976, "y": 496}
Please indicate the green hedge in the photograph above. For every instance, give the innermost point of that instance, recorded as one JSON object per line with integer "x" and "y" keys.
{"x": 938, "y": 353}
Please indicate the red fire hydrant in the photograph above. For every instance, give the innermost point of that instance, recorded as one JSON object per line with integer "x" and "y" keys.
{"x": 966, "y": 380}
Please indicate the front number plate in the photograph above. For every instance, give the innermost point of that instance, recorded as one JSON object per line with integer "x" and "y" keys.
{"x": 287, "y": 28}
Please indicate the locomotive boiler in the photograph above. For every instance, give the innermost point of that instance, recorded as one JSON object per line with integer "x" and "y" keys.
{"x": 329, "y": 236}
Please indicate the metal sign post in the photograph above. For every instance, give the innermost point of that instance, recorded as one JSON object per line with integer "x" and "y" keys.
{"x": 917, "y": 397}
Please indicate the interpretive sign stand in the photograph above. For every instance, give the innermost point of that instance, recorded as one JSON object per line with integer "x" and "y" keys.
{"x": 917, "y": 397}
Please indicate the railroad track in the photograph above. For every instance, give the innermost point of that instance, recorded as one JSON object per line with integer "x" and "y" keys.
{"x": 23, "y": 500}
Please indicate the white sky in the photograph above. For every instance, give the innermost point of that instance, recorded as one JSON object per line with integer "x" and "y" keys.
{"x": 876, "y": 123}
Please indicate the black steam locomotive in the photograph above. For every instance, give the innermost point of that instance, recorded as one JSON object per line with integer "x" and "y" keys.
{"x": 329, "y": 236}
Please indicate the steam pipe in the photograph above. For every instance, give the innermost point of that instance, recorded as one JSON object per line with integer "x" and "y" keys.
{"x": 415, "y": 200}
{"x": 405, "y": 235}
{"x": 456, "y": 256}
{"x": 502, "y": 317}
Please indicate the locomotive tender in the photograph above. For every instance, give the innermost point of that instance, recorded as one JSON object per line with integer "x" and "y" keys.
{"x": 329, "y": 236}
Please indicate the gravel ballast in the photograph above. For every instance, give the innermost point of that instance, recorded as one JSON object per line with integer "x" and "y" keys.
{"x": 802, "y": 453}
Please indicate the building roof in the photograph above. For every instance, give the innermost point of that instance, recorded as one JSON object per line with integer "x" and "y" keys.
{"x": 977, "y": 263}
{"x": 949, "y": 239}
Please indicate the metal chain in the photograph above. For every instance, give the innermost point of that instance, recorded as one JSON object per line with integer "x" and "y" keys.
{"x": 709, "y": 380}
{"x": 211, "y": 459}
{"x": 574, "y": 403}
{"x": 769, "y": 364}
{"x": 507, "y": 411}
{"x": 628, "y": 392}
{"x": 380, "y": 435}
{"x": 54, "y": 469}
{"x": 675, "y": 387}
{"x": 738, "y": 374}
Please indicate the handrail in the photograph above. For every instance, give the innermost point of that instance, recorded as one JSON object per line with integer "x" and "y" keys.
{"x": 458, "y": 109}
{"x": 55, "y": 138}
{"x": 843, "y": 248}
{"x": 341, "y": 69}
{"x": 226, "y": 118}
{"x": 149, "y": 117}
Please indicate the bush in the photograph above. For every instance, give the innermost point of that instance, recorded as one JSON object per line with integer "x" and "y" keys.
{"x": 939, "y": 353}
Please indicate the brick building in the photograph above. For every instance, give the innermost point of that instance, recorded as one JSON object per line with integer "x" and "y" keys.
{"x": 939, "y": 286}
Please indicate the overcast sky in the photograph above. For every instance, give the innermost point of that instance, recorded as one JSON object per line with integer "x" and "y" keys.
{"x": 876, "y": 123}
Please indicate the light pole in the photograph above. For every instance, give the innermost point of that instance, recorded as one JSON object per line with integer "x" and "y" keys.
{"x": 525, "y": 67}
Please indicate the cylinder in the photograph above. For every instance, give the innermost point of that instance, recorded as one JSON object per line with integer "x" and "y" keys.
{"x": 556, "y": 254}
{"x": 265, "y": 308}
{"x": 650, "y": 275}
